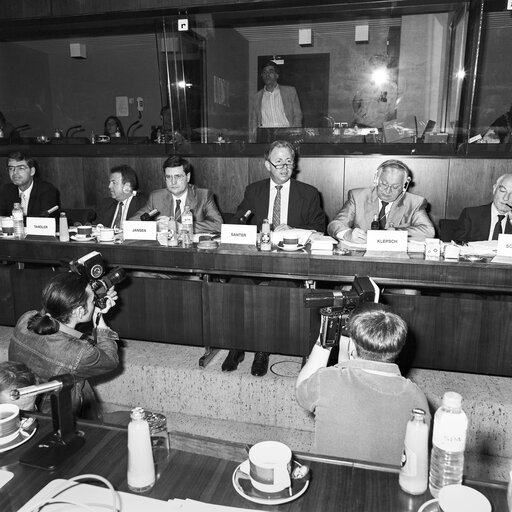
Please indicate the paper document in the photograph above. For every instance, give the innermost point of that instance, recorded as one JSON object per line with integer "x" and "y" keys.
{"x": 397, "y": 255}
{"x": 483, "y": 248}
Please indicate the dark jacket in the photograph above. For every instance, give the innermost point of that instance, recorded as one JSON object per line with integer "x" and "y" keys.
{"x": 106, "y": 209}
{"x": 43, "y": 197}
{"x": 474, "y": 224}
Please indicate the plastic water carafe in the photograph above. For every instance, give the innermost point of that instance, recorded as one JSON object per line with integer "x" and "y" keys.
{"x": 448, "y": 443}
{"x": 413, "y": 477}
{"x": 141, "y": 468}
{"x": 266, "y": 240}
{"x": 187, "y": 220}
{"x": 17, "y": 217}
{"x": 509, "y": 493}
{"x": 63, "y": 228}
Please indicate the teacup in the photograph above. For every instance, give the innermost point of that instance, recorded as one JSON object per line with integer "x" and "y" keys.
{"x": 7, "y": 226}
{"x": 106, "y": 234}
{"x": 270, "y": 465}
{"x": 290, "y": 242}
{"x": 103, "y": 138}
{"x": 84, "y": 231}
{"x": 9, "y": 422}
{"x": 454, "y": 498}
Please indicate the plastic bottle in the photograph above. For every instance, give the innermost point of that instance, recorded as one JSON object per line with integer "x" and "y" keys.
{"x": 509, "y": 493}
{"x": 375, "y": 223}
{"x": 63, "y": 228}
{"x": 17, "y": 217}
{"x": 93, "y": 137}
{"x": 187, "y": 220}
{"x": 413, "y": 477}
{"x": 141, "y": 468}
{"x": 266, "y": 242}
{"x": 448, "y": 443}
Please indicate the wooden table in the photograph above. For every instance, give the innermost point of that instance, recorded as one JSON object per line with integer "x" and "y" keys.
{"x": 459, "y": 320}
{"x": 201, "y": 469}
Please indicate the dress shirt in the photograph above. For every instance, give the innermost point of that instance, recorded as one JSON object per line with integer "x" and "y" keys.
{"x": 183, "y": 199}
{"x": 272, "y": 109}
{"x": 341, "y": 234}
{"x": 494, "y": 219}
{"x": 126, "y": 206}
{"x": 285, "y": 196}
{"x": 25, "y": 197}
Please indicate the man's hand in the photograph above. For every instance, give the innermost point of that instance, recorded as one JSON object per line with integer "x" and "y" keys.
{"x": 356, "y": 235}
{"x": 282, "y": 227}
{"x": 111, "y": 300}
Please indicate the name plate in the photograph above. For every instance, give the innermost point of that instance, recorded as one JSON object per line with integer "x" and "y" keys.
{"x": 386, "y": 241}
{"x": 139, "y": 230}
{"x": 504, "y": 245}
{"x": 42, "y": 226}
{"x": 238, "y": 234}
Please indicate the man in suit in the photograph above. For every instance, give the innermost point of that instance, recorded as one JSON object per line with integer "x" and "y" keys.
{"x": 172, "y": 200}
{"x": 36, "y": 196}
{"x": 486, "y": 222}
{"x": 124, "y": 199}
{"x": 288, "y": 204}
{"x": 274, "y": 106}
{"x": 388, "y": 201}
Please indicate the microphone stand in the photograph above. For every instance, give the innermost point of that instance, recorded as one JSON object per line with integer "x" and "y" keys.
{"x": 78, "y": 128}
{"x": 137, "y": 122}
{"x": 65, "y": 440}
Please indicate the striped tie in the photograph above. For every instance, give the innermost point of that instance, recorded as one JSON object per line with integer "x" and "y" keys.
{"x": 119, "y": 216}
{"x": 276, "y": 212}
{"x": 177, "y": 211}
{"x": 24, "y": 202}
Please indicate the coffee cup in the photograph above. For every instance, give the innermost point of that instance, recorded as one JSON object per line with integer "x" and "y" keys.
{"x": 290, "y": 242}
{"x": 270, "y": 466}
{"x": 103, "y": 138}
{"x": 454, "y": 498}
{"x": 9, "y": 422}
{"x": 84, "y": 231}
{"x": 106, "y": 234}
{"x": 7, "y": 226}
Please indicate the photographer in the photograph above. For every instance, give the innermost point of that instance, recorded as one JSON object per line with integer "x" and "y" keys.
{"x": 48, "y": 343}
{"x": 362, "y": 404}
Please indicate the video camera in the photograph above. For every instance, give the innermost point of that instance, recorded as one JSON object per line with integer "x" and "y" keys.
{"x": 337, "y": 306}
{"x": 93, "y": 268}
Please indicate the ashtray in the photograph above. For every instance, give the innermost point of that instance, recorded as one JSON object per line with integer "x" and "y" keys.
{"x": 207, "y": 244}
{"x": 473, "y": 258}
{"x": 340, "y": 251}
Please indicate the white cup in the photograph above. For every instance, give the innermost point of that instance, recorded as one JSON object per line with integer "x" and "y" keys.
{"x": 9, "y": 422}
{"x": 460, "y": 498}
{"x": 107, "y": 234}
{"x": 270, "y": 465}
{"x": 7, "y": 226}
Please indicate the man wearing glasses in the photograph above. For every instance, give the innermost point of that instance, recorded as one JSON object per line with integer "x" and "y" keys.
{"x": 388, "y": 201}
{"x": 36, "y": 196}
{"x": 287, "y": 203}
{"x": 179, "y": 193}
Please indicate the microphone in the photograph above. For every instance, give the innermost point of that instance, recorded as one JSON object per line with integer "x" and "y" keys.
{"x": 245, "y": 217}
{"x": 47, "y": 213}
{"x": 137, "y": 122}
{"x": 149, "y": 215}
{"x": 22, "y": 128}
{"x": 78, "y": 128}
{"x": 52, "y": 385}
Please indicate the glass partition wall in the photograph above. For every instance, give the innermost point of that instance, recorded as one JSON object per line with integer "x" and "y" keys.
{"x": 339, "y": 73}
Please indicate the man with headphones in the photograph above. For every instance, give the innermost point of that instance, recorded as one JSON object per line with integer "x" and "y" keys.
{"x": 388, "y": 202}
{"x": 125, "y": 199}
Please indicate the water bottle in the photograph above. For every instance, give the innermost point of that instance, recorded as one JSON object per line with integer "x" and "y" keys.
{"x": 448, "y": 443}
{"x": 17, "y": 217}
{"x": 413, "y": 477}
{"x": 141, "y": 468}
{"x": 375, "y": 223}
{"x": 187, "y": 220}
{"x": 265, "y": 242}
{"x": 63, "y": 228}
{"x": 509, "y": 493}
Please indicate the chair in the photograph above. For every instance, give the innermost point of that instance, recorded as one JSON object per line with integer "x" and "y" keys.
{"x": 81, "y": 215}
{"x": 447, "y": 229}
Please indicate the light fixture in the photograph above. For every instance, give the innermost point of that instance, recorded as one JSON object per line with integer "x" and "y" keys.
{"x": 77, "y": 50}
{"x": 362, "y": 34}
{"x": 305, "y": 37}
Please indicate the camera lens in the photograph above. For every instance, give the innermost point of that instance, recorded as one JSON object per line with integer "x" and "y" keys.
{"x": 115, "y": 276}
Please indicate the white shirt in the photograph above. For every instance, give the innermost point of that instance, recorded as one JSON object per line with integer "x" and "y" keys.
{"x": 272, "y": 110}
{"x": 285, "y": 197}
{"x": 494, "y": 219}
{"x": 182, "y": 198}
{"x": 126, "y": 205}
{"x": 25, "y": 197}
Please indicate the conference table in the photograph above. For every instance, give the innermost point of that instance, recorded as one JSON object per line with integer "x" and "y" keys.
{"x": 458, "y": 313}
{"x": 201, "y": 468}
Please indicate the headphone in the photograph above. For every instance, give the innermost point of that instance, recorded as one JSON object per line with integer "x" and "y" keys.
{"x": 394, "y": 164}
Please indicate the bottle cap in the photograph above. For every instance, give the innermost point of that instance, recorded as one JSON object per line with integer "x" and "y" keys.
{"x": 452, "y": 399}
{"x": 418, "y": 413}
{"x": 137, "y": 413}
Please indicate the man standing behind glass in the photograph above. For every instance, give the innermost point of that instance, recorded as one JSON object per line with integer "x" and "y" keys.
{"x": 36, "y": 196}
{"x": 287, "y": 204}
{"x": 274, "y": 106}
{"x": 172, "y": 200}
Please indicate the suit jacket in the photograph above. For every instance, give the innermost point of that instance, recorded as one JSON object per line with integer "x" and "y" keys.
{"x": 106, "y": 209}
{"x": 304, "y": 209}
{"x": 291, "y": 107}
{"x": 200, "y": 200}
{"x": 474, "y": 224}
{"x": 43, "y": 197}
{"x": 407, "y": 213}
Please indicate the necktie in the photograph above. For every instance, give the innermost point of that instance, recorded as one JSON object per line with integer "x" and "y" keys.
{"x": 119, "y": 216}
{"x": 382, "y": 215}
{"x": 276, "y": 211}
{"x": 497, "y": 227}
{"x": 24, "y": 202}
{"x": 177, "y": 211}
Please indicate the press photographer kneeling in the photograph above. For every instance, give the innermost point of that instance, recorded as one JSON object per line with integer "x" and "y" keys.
{"x": 362, "y": 404}
{"x": 49, "y": 344}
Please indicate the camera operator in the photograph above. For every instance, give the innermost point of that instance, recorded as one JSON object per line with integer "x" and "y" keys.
{"x": 49, "y": 344}
{"x": 362, "y": 404}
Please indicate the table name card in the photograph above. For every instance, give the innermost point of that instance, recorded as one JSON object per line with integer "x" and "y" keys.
{"x": 504, "y": 245}
{"x": 139, "y": 230}
{"x": 386, "y": 241}
{"x": 238, "y": 234}
{"x": 41, "y": 226}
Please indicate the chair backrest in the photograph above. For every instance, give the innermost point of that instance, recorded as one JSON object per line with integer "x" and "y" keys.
{"x": 447, "y": 229}
{"x": 81, "y": 215}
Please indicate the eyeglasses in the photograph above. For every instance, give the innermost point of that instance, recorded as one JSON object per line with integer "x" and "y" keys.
{"x": 176, "y": 177}
{"x": 394, "y": 188}
{"x": 12, "y": 168}
{"x": 279, "y": 167}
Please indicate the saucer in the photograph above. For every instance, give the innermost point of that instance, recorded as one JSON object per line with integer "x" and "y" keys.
{"x": 78, "y": 238}
{"x": 243, "y": 486}
{"x": 23, "y": 436}
{"x": 290, "y": 248}
{"x": 5, "y": 235}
